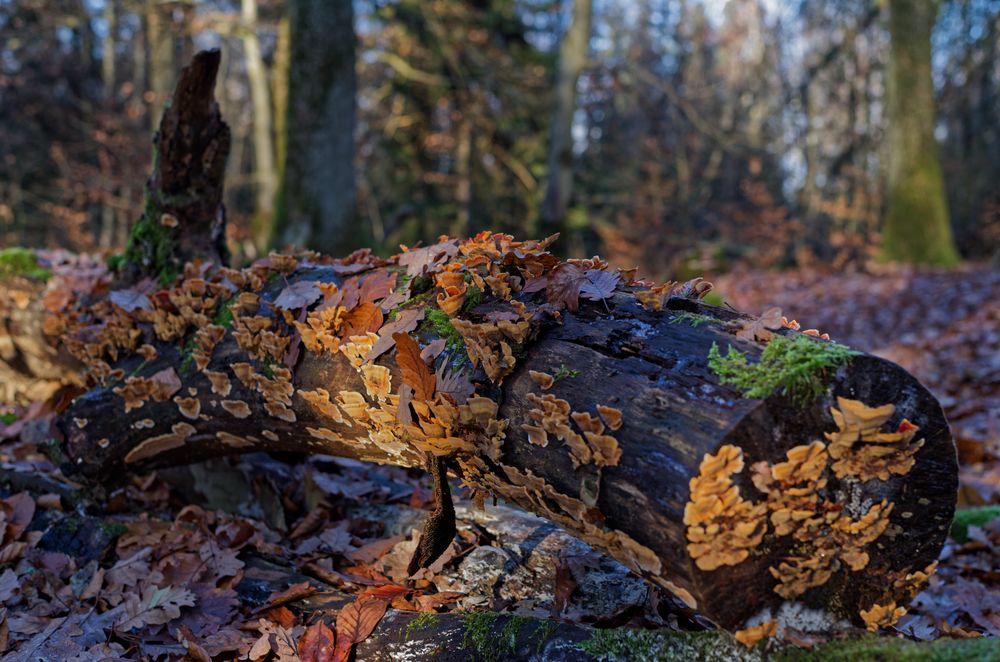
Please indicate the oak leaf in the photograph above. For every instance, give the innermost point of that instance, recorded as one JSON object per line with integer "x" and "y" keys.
{"x": 415, "y": 372}
{"x": 761, "y": 328}
{"x": 155, "y": 606}
{"x": 406, "y": 321}
{"x": 564, "y": 283}
{"x": 316, "y": 643}
{"x": 363, "y": 318}
{"x": 355, "y": 622}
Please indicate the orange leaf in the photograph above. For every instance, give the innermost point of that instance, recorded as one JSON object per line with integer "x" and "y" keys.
{"x": 363, "y": 318}
{"x": 385, "y": 592}
{"x": 316, "y": 643}
{"x": 415, "y": 372}
{"x": 355, "y": 622}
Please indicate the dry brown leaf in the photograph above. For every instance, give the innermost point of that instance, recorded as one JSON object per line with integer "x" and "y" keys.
{"x": 316, "y": 643}
{"x": 415, "y": 372}
{"x": 406, "y": 321}
{"x": 761, "y": 328}
{"x": 298, "y": 295}
{"x": 364, "y": 317}
{"x": 355, "y": 622}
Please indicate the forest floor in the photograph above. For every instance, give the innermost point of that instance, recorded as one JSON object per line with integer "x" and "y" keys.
{"x": 256, "y": 556}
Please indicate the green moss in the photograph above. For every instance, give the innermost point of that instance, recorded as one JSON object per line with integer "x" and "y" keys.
{"x": 714, "y": 299}
{"x": 421, "y": 284}
{"x": 543, "y": 633}
{"x": 479, "y": 635}
{"x": 694, "y": 319}
{"x": 115, "y": 262}
{"x": 423, "y": 620}
{"x": 114, "y": 529}
{"x": 151, "y": 244}
{"x": 796, "y": 365}
{"x": 473, "y": 296}
{"x": 966, "y": 517}
{"x": 438, "y": 321}
{"x": 8, "y": 419}
{"x": 19, "y": 261}
{"x": 888, "y": 649}
{"x": 631, "y": 644}
{"x": 223, "y": 316}
{"x": 412, "y": 301}
{"x": 564, "y": 373}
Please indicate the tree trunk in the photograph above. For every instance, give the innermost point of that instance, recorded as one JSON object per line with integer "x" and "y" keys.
{"x": 162, "y": 56}
{"x": 692, "y": 488}
{"x": 917, "y": 227}
{"x": 316, "y": 206}
{"x": 184, "y": 216}
{"x": 265, "y": 174}
{"x": 572, "y": 61}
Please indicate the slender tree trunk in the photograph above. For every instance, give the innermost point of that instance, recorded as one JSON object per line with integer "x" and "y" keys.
{"x": 572, "y": 61}
{"x": 266, "y": 176}
{"x": 108, "y": 71}
{"x": 463, "y": 174}
{"x": 917, "y": 227}
{"x": 162, "y": 56}
{"x": 316, "y": 205}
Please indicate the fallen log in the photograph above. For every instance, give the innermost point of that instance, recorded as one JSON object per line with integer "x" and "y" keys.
{"x": 757, "y": 473}
{"x": 574, "y": 391}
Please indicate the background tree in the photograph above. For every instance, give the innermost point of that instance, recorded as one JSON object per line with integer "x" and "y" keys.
{"x": 917, "y": 227}
{"x": 573, "y": 52}
{"x": 316, "y": 205}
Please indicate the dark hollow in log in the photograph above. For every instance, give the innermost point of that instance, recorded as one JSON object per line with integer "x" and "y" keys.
{"x": 652, "y": 366}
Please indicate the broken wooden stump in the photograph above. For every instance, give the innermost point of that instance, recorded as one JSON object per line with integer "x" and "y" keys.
{"x": 184, "y": 216}
{"x": 565, "y": 387}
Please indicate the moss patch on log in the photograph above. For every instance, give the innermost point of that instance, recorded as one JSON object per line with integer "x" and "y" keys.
{"x": 492, "y": 642}
{"x": 19, "y": 261}
{"x": 633, "y": 644}
{"x": 151, "y": 243}
{"x": 422, "y": 621}
{"x": 439, "y": 322}
{"x": 889, "y": 649}
{"x": 796, "y": 365}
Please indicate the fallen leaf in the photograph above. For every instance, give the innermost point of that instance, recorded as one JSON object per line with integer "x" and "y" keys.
{"x": 363, "y": 318}
{"x": 317, "y": 643}
{"x": 564, "y": 283}
{"x": 599, "y": 285}
{"x": 130, "y": 299}
{"x": 355, "y": 622}
{"x": 298, "y": 295}
{"x": 415, "y": 372}
{"x": 406, "y": 321}
{"x": 761, "y": 328}
{"x": 455, "y": 384}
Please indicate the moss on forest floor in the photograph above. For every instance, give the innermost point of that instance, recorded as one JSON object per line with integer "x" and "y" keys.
{"x": 18, "y": 261}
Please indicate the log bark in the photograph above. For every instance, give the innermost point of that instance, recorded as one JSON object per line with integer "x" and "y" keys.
{"x": 653, "y": 366}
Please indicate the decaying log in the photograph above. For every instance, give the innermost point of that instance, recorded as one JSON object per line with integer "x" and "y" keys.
{"x": 746, "y": 508}
{"x": 568, "y": 388}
